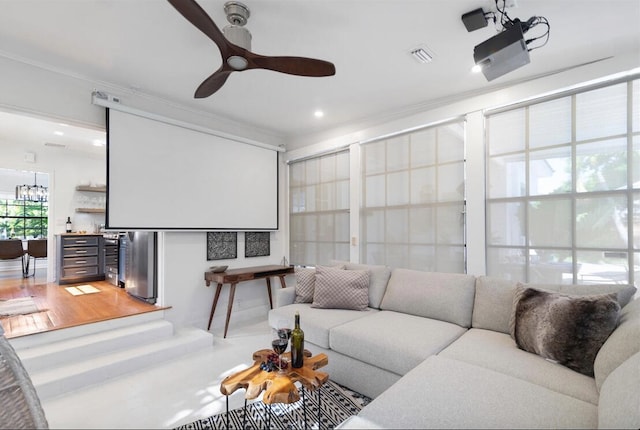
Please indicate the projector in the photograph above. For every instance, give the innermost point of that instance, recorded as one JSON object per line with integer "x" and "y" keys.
{"x": 503, "y": 53}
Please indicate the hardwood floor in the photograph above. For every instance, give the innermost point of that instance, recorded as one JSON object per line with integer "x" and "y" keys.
{"x": 59, "y": 309}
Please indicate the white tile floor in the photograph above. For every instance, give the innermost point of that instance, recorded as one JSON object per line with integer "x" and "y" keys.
{"x": 165, "y": 395}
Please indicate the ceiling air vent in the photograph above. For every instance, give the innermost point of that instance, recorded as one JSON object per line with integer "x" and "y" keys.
{"x": 422, "y": 54}
{"x": 55, "y": 145}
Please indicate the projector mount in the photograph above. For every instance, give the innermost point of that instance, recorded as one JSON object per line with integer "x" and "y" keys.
{"x": 478, "y": 18}
{"x": 508, "y": 50}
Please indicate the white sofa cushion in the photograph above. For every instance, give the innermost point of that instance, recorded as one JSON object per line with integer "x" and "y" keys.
{"x": 316, "y": 322}
{"x": 619, "y": 406}
{"x": 442, "y": 296}
{"x": 446, "y": 393}
{"x": 393, "y": 341}
{"x": 499, "y": 352}
{"x": 622, "y": 344}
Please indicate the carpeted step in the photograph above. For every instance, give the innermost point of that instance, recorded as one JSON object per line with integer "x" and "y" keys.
{"x": 76, "y": 374}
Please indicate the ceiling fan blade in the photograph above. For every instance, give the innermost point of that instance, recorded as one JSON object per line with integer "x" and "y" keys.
{"x": 199, "y": 18}
{"x": 213, "y": 83}
{"x": 300, "y": 66}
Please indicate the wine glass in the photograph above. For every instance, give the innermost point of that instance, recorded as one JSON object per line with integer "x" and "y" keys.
{"x": 284, "y": 327}
{"x": 279, "y": 345}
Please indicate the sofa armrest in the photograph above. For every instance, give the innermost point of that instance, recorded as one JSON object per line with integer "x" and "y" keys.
{"x": 284, "y": 296}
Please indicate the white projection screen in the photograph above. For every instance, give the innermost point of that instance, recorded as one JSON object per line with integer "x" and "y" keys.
{"x": 162, "y": 176}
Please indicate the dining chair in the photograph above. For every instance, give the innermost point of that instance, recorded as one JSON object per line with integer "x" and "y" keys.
{"x": 11, "y": 249}
{"x": 36, "y": 248}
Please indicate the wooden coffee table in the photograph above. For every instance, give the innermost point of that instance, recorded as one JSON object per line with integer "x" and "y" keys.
{"x": 278, "y": 387}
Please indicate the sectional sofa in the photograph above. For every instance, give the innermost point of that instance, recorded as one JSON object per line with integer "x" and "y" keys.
{"x": 439, "y": 350}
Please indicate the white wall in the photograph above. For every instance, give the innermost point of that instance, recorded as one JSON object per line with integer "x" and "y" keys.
{"x": 185, "y": 261}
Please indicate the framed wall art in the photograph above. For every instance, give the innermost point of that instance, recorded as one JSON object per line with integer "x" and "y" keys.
{"x": 222, "y": 245}
{"x": 257, "y": 244}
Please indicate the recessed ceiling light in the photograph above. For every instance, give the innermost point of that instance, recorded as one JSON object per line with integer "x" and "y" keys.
{"x": 58, "y": 133}
{"x": 62, "y": 124}
{"x": 318, "y": 114}
{"x": 98, "y": 142}
{"x": 477, "y": 68}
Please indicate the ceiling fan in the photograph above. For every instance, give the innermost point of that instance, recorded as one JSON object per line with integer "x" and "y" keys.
{"x": 234, "y": 42}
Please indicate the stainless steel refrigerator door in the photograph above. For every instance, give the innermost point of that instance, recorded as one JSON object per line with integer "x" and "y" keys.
{"x": 140, "y": 269}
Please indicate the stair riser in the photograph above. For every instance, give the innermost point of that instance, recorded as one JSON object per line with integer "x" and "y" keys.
{"x": 47, "y": 338}
{"x": 141, "y": 358}
{"x": 89, "y": 346}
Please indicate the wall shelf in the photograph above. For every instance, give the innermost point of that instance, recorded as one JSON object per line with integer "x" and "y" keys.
{"x": 92, "y": 189}
{"x": 90, "y": 210}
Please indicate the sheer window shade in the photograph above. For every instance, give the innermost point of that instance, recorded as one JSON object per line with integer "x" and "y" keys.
{"x": 563, "y": 180}
{"x": 413, "y": 200}
{"x": 319, "y": 209}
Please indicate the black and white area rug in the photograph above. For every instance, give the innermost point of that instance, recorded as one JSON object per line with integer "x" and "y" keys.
{"x": 337, "y": 404}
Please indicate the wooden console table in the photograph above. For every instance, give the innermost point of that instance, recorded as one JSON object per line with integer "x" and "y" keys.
{"x": 234, "y": 276}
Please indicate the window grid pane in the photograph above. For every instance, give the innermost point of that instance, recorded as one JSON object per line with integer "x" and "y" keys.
{"x": 413, "y": 199}
{"x": 319, "y": 209}
{"x": 571, "y": 172}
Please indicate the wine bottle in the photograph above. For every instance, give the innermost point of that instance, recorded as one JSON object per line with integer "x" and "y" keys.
{"x": 68, "y": 224}
{"x": 297, "y": 344}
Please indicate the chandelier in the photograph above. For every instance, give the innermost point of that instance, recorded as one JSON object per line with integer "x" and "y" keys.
{"x": 32, "y": 193}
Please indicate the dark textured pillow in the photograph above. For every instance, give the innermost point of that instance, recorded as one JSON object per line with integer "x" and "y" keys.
{"x": 565, "y": 329}
{"x": 305, "y": 283}
{"x": 341, "y": 289}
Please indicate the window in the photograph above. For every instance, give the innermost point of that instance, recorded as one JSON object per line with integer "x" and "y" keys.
{"x": 319, "y": 209}
{"x": 23, "y": 219}
{"x": 563, "y": 188}
{"x": 18, "y": 218}
{"x": 413, "y": 200}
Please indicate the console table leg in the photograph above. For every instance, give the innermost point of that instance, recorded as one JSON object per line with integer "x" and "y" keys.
{"x": 232, "y": 292}
{"x": 269, "y": 291}
{"x": 215, "y": 303}
{"x": 282, "y": 283}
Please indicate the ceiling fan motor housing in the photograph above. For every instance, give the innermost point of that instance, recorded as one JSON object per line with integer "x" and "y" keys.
{"x": 239, "y": 36}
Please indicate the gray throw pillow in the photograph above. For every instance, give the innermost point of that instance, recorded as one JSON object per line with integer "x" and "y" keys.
{"x": 305, "y": 283}
{"x": 341, "y": 289}
{"x": 569, "y": 330}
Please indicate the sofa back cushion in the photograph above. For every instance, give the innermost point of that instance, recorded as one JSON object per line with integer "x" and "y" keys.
{"x": 619, "y": 404}
{"x": 442, "y": 296}
{"x": 378, "y": 279}
{"x": 622, "y": 344}
{"x": 494, "y": 299}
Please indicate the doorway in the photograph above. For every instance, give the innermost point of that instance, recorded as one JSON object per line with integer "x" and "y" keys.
{"x": 24, "y": 212}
